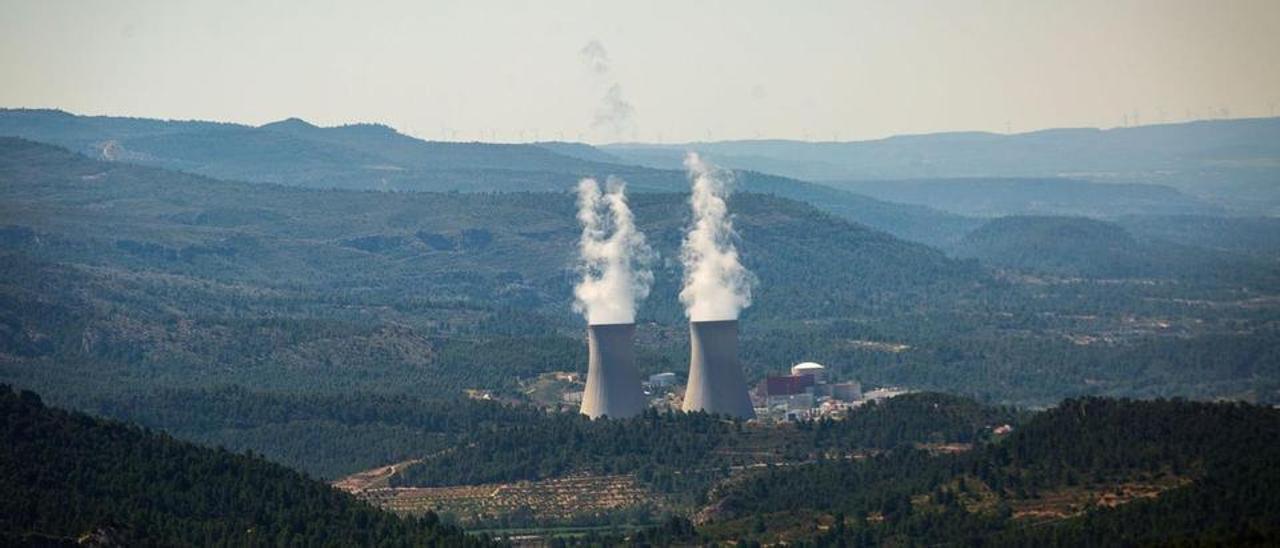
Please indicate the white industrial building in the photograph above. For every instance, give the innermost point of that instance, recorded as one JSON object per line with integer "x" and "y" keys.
{"x": 817, "y": 370}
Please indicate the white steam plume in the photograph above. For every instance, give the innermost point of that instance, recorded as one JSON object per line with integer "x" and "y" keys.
{"x": 614, "y": 256}
{"x": 716, "y": 286}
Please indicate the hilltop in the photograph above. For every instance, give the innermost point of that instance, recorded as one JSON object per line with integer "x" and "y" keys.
{"x": 412, "y": 283}
{"x": 1082, "y": 247}
{"x": 120, "y": 280}
{"x": 68, "y": 478}
{"x": 376, "y": 157}
{"x": 1224, "y": 163}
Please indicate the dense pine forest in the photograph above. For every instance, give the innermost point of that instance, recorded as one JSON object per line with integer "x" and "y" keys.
{"x": 118, "y": 277}
{"x": 337, "y": 331}
{"x": 67, "y": 476}
{"x": 924, "y": 468}
{"x": 682, "y": 453}
{"x": 1177, "y": 472}
{"x": 667, "y": 274}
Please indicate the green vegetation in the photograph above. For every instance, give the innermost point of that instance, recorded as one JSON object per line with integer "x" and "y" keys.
{"x": 331, "y": 313}
{"x": 1254, "y": 236}
{"x": 1214, "y": 461}
{"x": 63, "y": 475}
{"x": 326, "y": 435}
{"x": 1081, "y": 247}
{"x": 681, "y": 453}
{"x": 118, "y": 281}
{"x": 922, "y": 468}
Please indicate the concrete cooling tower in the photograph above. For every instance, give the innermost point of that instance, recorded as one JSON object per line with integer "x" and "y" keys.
{"x": 613, "y": 383}
{"x": 716, "y": 384}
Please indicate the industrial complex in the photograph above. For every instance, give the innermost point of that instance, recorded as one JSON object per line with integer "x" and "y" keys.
{"x": 715, "y": 384}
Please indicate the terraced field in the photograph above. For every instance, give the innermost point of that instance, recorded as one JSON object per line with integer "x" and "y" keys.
{"x": 1067, "y": 503}
{"x": 547, "y": 501}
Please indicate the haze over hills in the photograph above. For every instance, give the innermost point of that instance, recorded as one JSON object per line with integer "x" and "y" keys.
{"x": 1109, "y": 153}
{"x": 338, "y": 331}
{"x": 127, "y": 276}
{"x": 1081, "y": 247}
{"x": 450, "y": 263}
{"x": 338, "y": 291}
{"x": 1229, "y": 163}
{"x": 1199, "y": 159}
{"x": 1259, "y": 236}
{"x": 995, "y": 197}
{"x": 307, "y": 293}
{"x": 375, "y": 157}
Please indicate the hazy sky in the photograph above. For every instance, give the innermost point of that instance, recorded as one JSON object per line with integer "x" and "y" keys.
{"x": 683, "y": 70}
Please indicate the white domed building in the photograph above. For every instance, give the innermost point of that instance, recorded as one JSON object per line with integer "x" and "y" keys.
{"x": 817, "y": 370}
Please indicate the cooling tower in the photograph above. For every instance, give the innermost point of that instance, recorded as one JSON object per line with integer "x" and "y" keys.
{"x": 613, "y": 384}
{"x": 716, "y": 384}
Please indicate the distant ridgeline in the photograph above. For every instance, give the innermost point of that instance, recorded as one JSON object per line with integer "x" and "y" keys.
{"x": 376, "y": 157}
{"x": 1222, "y": 165}
{"x": 67, "y": 479}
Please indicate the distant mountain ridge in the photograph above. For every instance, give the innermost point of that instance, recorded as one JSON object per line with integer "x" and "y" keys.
{"x": 1235, "y": 163}
{"x": 376, "y": 157}
{"x": 997, "y": 196}
{"x": 1050, "y": 152}
{"x": 286, "y": 151}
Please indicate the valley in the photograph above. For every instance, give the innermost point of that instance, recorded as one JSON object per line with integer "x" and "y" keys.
{"x": 418, "y": 350}
{"x": 639, "y": 274}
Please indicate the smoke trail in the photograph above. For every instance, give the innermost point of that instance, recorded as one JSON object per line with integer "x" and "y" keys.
{"x": 614, "y": 114}
{"x": 614, "y": 255}
{"x": 716, "y": 286}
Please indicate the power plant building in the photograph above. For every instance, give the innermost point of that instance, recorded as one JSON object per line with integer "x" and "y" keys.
{"x": 613, "y": 383}
{"x": 661, "y": 380}
{"x": 845, "y": 391}
{"x": 816, "y": 370}
{"x": 716, "y": 383}
{"x": 788, "y": 385}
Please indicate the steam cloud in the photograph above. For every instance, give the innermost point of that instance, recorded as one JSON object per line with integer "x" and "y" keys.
{"x": 614, "y": 255}
{"x": 614, "y": 114}
{"x": 716, "y": 285}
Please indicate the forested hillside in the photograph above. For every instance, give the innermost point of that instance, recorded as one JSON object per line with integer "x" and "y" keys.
{"x": 376, "y": 157}
{"x": 325, "y": 435}
{"x": 1089, "y": 248}
{"x": 1088, "y": 472}
{"x": 311, "y": 281}
{"x": 1255, "y": 236}
{"x": 681, "y": 453}
{"x": 67, "y": 479}
{"x": 119, "y": 279}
